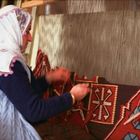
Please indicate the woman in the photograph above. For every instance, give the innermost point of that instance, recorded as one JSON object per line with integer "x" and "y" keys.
{"x": 20, "y": 92}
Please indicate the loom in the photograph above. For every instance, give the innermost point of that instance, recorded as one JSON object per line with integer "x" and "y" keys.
{"x": 100, "y": 40}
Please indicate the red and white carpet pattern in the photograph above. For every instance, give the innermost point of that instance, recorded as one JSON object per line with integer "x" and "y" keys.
{"x": 110, "y": 111}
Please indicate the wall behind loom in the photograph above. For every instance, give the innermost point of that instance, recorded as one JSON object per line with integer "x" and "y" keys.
{"x": 105, "y": 44}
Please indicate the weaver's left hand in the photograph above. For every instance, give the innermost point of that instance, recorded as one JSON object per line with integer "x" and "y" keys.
{"x": 58, "y": 74}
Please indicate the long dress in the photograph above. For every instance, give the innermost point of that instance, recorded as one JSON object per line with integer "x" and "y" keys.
{"x": 12, "y": 124}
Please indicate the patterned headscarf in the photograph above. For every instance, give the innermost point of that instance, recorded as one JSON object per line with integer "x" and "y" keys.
{"x": 23, "y": 18}
{"x": 13, "y": 24}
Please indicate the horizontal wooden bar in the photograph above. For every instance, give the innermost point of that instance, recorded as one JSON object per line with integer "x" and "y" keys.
{"x": 28, "y": 4}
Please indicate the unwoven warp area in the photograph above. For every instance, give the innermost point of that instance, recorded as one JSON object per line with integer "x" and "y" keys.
{"x": 104, "y": 44}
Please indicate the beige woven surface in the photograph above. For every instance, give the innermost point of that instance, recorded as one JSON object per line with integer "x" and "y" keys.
{"x": 105, "y": 44}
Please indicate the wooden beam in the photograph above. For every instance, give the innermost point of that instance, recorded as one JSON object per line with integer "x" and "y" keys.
{"x": 18, "y": 3}
{"x": 28, "y": 4}
{"x": 4, "y": 3}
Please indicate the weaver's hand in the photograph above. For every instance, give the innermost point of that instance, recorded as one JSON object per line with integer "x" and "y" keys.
{"x": 58, "y": 74}
{"x": 79, "y": 91}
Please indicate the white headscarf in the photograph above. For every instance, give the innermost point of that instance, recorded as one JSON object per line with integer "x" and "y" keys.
{"x": 13, "y": 24}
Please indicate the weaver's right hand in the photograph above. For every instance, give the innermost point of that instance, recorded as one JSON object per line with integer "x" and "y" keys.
{"x": 79, "y": 91}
